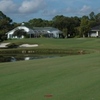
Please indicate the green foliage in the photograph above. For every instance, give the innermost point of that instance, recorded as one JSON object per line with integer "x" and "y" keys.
{"x": 12, "y": 45}
{"x": 65, "y": 32}
{"x": 92, "y": 16}
{"x": 39, "y": 51}
{"x": 38, "y": 22}
{"x": 19, "y": 33}
{"x": 4, "y": 59}
{"x": 5, "y": 23}
{"x": 84, "y": 27}
{"x": 69, "y": 23}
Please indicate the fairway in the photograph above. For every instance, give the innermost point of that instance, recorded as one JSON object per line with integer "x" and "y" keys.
{"x": 75, "y": 77}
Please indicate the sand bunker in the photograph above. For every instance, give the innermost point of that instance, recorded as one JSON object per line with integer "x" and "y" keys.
{"x": 28, "y": 45}
{"x": 3, "y": 45}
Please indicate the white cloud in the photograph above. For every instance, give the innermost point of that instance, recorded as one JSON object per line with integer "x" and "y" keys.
{"x": 8, "y": 6}
{"x": 27, "y": 6}
{"x": 27, "y": 9}
{"x": 50, "y": 12}
{"x": 31, "y": 6}
{"x": 68, "y": 10}
{"x": 85, "y": 9}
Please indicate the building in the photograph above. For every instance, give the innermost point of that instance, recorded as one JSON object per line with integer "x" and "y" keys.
{"x": 94, "y": 32}
{"x": 35, "y": 32}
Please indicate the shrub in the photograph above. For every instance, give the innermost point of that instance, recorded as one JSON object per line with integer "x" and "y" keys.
{"x": 12, "y": 45}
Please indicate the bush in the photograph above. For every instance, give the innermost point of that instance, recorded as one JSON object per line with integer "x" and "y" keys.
{"x": 12, "y": 45}
{"x": 4, "y": 59}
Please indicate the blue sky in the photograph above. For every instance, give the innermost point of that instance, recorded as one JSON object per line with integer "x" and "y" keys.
{"x": 24, "y": 10}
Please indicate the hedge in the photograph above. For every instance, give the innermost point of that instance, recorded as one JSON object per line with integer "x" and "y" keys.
{"x": 41, "y": 51}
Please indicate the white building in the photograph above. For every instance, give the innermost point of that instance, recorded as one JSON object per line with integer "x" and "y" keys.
{"x": 94, "y": 32}
{"x": 26, "y": 29}
{"x": 35, "y": 32}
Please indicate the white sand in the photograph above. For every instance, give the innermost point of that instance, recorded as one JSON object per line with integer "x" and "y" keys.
{"x": 28, "y": 45}
{"x": 3, "y": 45}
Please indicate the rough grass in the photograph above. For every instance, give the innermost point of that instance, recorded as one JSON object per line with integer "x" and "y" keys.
{"x": 85, "y": 43}
{"x": 74, "y": 77}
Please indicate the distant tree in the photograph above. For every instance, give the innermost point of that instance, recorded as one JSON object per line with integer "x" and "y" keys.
{"x": 92, "y": 16}
{"x": 65, "y": 32}
{"x": 19, "y": 33}
{"x": 84, "y": 27}
{"x": 38, "y": 22}
{"x": 60, "y": 22}
{"x": 5, "y": 25}
{"x": 98, "y": 16}
{"x": 14, "y": 25}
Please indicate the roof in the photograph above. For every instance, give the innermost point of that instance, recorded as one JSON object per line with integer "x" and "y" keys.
{"x": 96, "y": 28}
{"x": 45, "y": 29}
{"x": 41, "y": 28}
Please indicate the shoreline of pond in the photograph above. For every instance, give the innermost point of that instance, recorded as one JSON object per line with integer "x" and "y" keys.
{"x": 9, "y": 55}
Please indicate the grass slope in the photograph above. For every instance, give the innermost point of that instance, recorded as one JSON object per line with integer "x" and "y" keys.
{"x": 85, "y": 43}
{"x": 74, "y": 77}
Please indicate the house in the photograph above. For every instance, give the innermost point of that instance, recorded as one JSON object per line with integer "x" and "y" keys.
{"x": 26, "y": 29}
{"x": 35, "y": 32}
{"x": 94, "y": 32}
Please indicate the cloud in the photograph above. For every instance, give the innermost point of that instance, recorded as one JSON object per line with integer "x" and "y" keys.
{"x": 50, "y": 12}
{"x": 27, "y": 6}
{"x": 27, "y": 9}
{"x": 85, "y": 9}
{"x": 32, "y": 6}
{"x": 8, "y": 6}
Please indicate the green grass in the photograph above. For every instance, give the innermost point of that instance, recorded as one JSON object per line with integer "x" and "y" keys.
{"x": 75, "y": 77}
{"x": 86, "y": 43}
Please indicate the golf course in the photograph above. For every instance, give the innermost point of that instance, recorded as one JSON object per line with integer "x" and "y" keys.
{"x": 69, "y": 77}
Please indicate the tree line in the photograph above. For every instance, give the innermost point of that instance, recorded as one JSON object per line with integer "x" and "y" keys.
{"x": 70, "y": 26}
